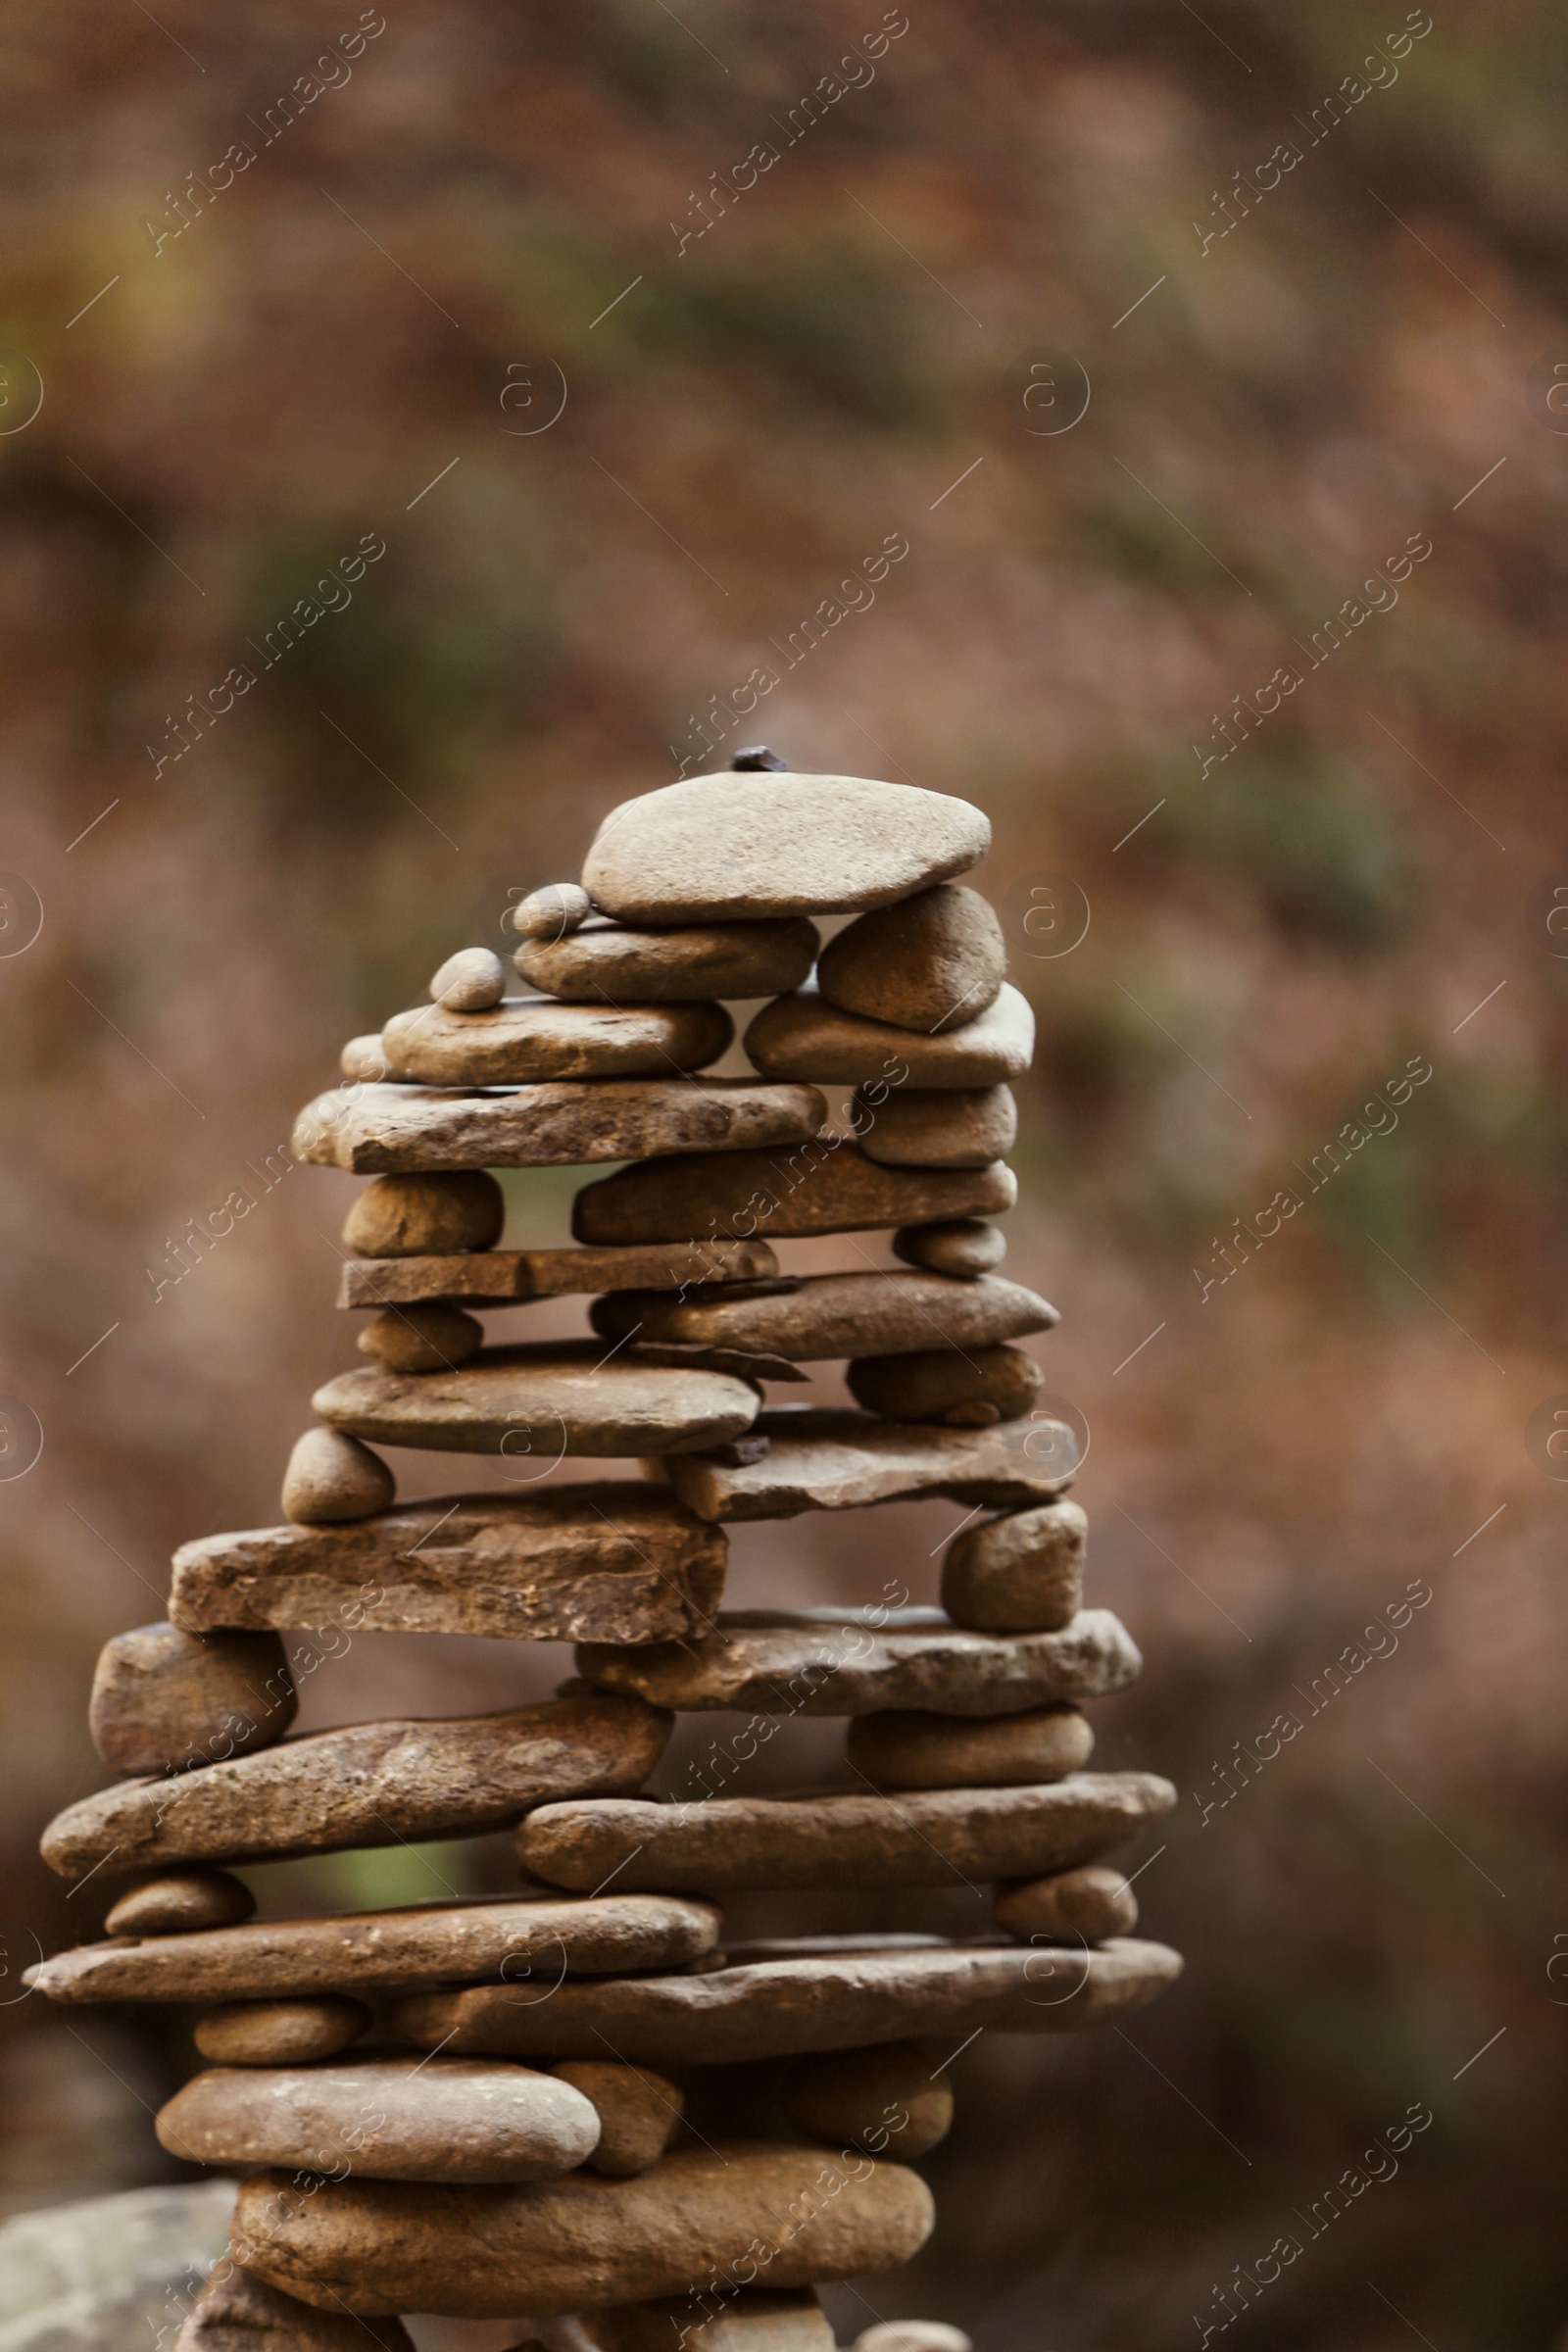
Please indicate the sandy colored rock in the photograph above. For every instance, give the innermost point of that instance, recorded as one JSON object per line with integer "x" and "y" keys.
{"x": 503, "y": 1277}
{"x": 834, "y": 1315}
{"x": 331, "y": 1478}
{"x": 363, "y": 1061}
{"x": 609, "y": 964}
{"x": 736, "y": 847}
{"x": 963, "y": 1246}
{"x": 638, "y": 2113}
{"x": 1020, "y": 1574}
{"x": 930, "y": 1127}
{"x": 369, "y": 1783}
{"x": 280, "y": 2032}
{"x": 912, "y": 2336}
{"x": 235, "y": 2311}
{"x": 959, "y": 1386}
{"x": 163, "y": 1699}
{"x": 617, "y": 1561}
{"x": 910, "y": 1749}
{"x": 822, "y": 1187}
{"x": 553, "y": 911}
{"x": 563, "y": 1123}
{"x": 886, "y": 2100}
{"x": 821, "y": 1460}
{"x": 717, "y": 2320}
{"x": 803, "y": 1036}
{"x": 181, "y": 1903}
{"x": 483, "y": 2253}
{"x": 1085, "y": 1906}
{"x": 932, "y": 962}
{"x": 426, "y": 1215}
{"x": 421, "y": 1339}
{"x": 525, "y": 1039}
{"x": 470, "y": 981}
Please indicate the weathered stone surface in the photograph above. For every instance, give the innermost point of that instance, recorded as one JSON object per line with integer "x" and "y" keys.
{"x": 426, "y": 1215}
{"x": 962, "y": 1246}
{"x": 482, "y": 2253}
{"x": 829, "y": 2000}
{"x": 1089, "y": 1905}
{"x": 420, "y": 1339}
{"x": 886, "y": 2100}
{"x": 908, "y": 1749}
{"x": 728, "y": 849}
{"x": 595, "y": 1562}
{"x": 280, "y": 2032}
{"x": 105, "y": 2273}
{"x": 820, "y": 1459}
{"x": 609, "y": 964}
{"x": 363, "y": 1061}
{"x": 803, "y": 1036}
{"x": 930, "y": 1127}
{"x": 529, "y": 1944}
{"x": 384, "y": 2119}
{"x": 237, "y": 2312}
{"x": 181, "y": 1903}
{"x": 718, "y": 2320}
{"x": 369, "y": 1783}
{"x": 638, "y": 2113}
{"x": 932, "y": 962}
{"x": 470, "y": 981}
{"x": 552, "y": 913}
{"x": 912, "y": 2336}
{"x": 958, "y": 1386}
{"x": 833, "y": 1316}
{"x": 823, "y": 1187}
{"x": 534, "y": 1403}
{"x": 524, "y": 1039}
{"x": 163, "y": 1699}
{"x": 1020, "y": 1574}
{"x": 564, "y": 1123}
{"x": 841, "y": 1662}
{"x": 332, "y": 1477}
{"x": 503, "y": 1277}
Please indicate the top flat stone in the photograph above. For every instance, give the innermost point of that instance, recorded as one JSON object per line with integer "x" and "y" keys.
{"x": 726, "y": 848}
{"x": 610, "y": 963}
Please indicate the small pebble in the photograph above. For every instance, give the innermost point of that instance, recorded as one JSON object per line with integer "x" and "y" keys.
{"x": 1022, "y": 1573}
{"x": 638, "y": 2113}
{"x": 551, "y": 912}
{"x": 426, "y": 1216}
{"x": 883, "y": 2100}
{"x": 364, "y": 1060}
{"x": 472, "y": 981}
{"x": 421, "y": 1339}
{"x": 960, "y": 1387}
{"x": 180, "y": 1903}
{"x": 280, "y": 2032}
{"x": 1092, "y": 1903}
{"x": 963, "y": 1246}
{"x": 332, "y": 1477}
{"x": 932, "y": 962}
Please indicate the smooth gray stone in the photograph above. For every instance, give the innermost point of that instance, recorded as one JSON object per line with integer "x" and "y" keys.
{"x": 105, "y": 2273}
{"x": 821, "y": 1460}
{"x": 567, "y": 1122}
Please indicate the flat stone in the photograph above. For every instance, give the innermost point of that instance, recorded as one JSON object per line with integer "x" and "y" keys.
{"x": 1088, "y": 1905}
{"x": 932, "y": 962}
{"x": 823, "y": 1187}
{"x": 850, "y": 1662}
{"x": 101, "y": 2274}
{"x": 552, "y": 913}
{"x": 163, "y": 1699}
{"x": 886, "y": 2100}
{"x": 237, "y": 2312}
{"x": 910, "y": 1750}
{"x": 961, "y": 1246}
{"x": 820, "y": 1459}
{"x": 597, "y": 1562}
{"x": 369, "y": 1783}
{"x": 556, "y": 2246}
{"x": 715, "y": 2319}
{"x": 528, "y": 1038}
{"x": 384, "y": 2119}
{"x": 803, "y": 1036}
{"x": 363, "y": 1061}
{"x": 181, "y": 1903}
{"x": 504, "y": 1276}
{"x": 332, "y": 1477}
{"x": 928, "y": 1127}
{"x": 638, "y": 2113}
{"x": 564, "y": 1124}
{"x": 527, "y": 1944}
{"x": 1020, "y": 1574}
{"x": 912, "y": 2336}
{"x": 731, "y": 848}
{"x": 433, "y": 1338}
{"x": 958, "y": 1386}
{"x": 423, "y": 1215}
{"x": 470, "y": 981}
{"x": 280, "y": 2032}
{"x": 834, "y": 1315}
{"x": 609, "y": 964}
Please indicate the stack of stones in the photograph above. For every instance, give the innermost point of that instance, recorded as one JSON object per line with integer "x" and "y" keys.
{"x": 579, "y": 2109}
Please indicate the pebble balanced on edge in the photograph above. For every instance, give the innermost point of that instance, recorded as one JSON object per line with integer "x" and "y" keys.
{"x": 489, "y": 2109}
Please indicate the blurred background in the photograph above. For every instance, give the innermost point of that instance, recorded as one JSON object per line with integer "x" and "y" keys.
{"x": 1185, "y": 356}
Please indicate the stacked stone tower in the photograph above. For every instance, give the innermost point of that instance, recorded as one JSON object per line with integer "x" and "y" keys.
{"x": 581, "y": 2109}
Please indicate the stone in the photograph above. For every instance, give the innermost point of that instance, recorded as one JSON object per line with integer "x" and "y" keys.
{"x": 421, "y": 1339}
{"x": 505, "y": 1277}
{"x": 367, "y": 1784}
{"x": 529, "y": 1945}
{"x": 181, "y": 1903}
{"x": 535, "y": 1403}
{"x": 553, "y": 913}
{"x": 556, "y": 2246}
{"x": 823, "y": 2000}
{"x": 926, "y": 1837}
{"x": 566, "y": 1123}
{"x": 961, "y": 1246}
{"x": 907, "y": 1748}
{"x": 886, "y": 2100}
{"x": 104, "y": 2272}
{"x": 638, "y": 2113}
{"x": 384, "y": 2119}
{"x": 958, "y": 1386}
{"x": 237, "y": 2312}
{"x": 594, "y": 1562}
{"x": 932, "y": 962}
{"x": 804, "y": 1036}
{"x": 714, "y": 849}
{"x": 331, "y": 1478}
{"x": 428, "y": 1215}
{"x": 821, "y": 1460}
{"x": 364, "y": 1063}
{"x": 1020, "y": 1574}
{"x": 912, "y": 2336}
{"x": 280, "y": 2032}
{"x": 929, "y": 1127}
{"x": 164, "y": 1699}
{"x": 835, "y": 1315}
{"x": 849, "y": 1662}
{"x": 715, "y": 2319}
{"x": 470, "y": 981}
{"x": 605, "y": 964}
{"x": 1086, "y": 1905}
{"x": 528, "y": 1038}
{"x": 823, "y": 1187}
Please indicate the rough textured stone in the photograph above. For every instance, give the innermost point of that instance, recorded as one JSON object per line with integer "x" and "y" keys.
{"x": 525, "y": 1039}
{"x": 961, "y": 1246}
{"x": 504, "y": 1276}
{"x": 363, "y": 1061}
{"x": 821, "y": 1188}
{"x": 529, "y": 1944}
{"x": 105, "y": 2273}
{"x": 332, "y": 1477}
{"x": 594, "y": 1562}
{"x": 834, "y": 1315}
{"x": 932, "y": 962}
{"x": 385, "y": 2119}
{"x": 369, "y": 1783}
{"x": 238, "y": 2313}
{"x": 280, "y": 2032}
{"x": 552, "y": 913}
{"x": 556, "y": 2246}
{"x": 959, "y": 1386}
{"x": 727, "y": 849}
{"x": 470, "y": 981}
{"x": 426, "y": 1215}
{"x": 163, "y": 1699}
{"x": 1020, "y": 1574}
{"x": 181, "y": 1903}
{"x": 564, "y": 1123}
{"x": 716, "y": 2319}
{"x": 803, "y": 1036}
{"x": 910, "y": 1749}
{"x": 421, "y": 1339}
{"x": 886, "y": 2100}
{"x": 608, "y": 963}
{"x": 820, "y": 1459}
{"x": 912, "y": 2336}
{"x": 846, "y": 1663}
{"x": 638, "y": 2113}
{"x": 1085, "y": 1906}
{"x": 930, "y": 1127}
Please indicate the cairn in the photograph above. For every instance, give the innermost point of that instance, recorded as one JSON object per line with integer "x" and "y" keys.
{"x": 578, "y": 2110}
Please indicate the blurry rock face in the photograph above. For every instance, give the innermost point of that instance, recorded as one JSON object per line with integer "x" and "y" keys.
{"x": 108, "y": 2272}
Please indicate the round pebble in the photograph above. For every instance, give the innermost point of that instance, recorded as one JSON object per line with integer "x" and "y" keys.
{"x": 280, "y": 2032}
{"x": 1022, "y": 1573}
{"x": 883, "y": 2100}
{"x": 426, "y": 1216}
{"x": 551, "y": 912}
{"x": 470, "y": 981}
{"x": 638, "y": 2113}
{"x": 332, "y": 1477}
{"x": 969, "y": 1388}
{"x": 905, "y": 1748}
{"x": 421, "y": 1339}
{"x": 1090, "y": 1903}
{"x": 933, "y": 963}
{"x": 364, "y": 1060}
{"x": 962, "y": 1246}
{"x": 180, "y": 1903}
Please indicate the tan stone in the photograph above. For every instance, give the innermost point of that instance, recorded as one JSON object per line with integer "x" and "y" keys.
{"x": 332, "y": 1477}
{"x": 609, "y": 964}
{"x": 908, "y": 1749}
{"x": 834, "y": 1315}
{"x": 525, "y": 1039}
{"x": 886, "y": 2100}
{"x": 181, "y": 1903}
{"x": 931, "y": 963}
{"x": 426, "y": 1215}
{"x": 720, "y": 2319}
{"x": 821, "y": 1188}
{"x": 962, "y": 1246}
{"x": 821, "y": 1460}
{"x": 280, "y": 2032}
{"x": 959, "y": 1386}
{"x": 803, "y": 1036}
{"x": 638, "y": 2113}
{"x": 552, "y": 913}
{"x": 235, "y": 2311}
{"x": 421, "y": 1339}
{"x": 363, "y": 1061}
{"x": 1085, "y": 1906}
{"x": 932, "y": 1127}
{"x": 912, "y": 2336}
{"x": 1020, "y": 1574}
{"x": 163, "y": 1699}
{"x": 470, "y": 981}
{"x": 564, "y": 1123}
{"x": 504, "y": 1276}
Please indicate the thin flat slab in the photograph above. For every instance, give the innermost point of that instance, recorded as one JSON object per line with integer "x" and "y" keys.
{"x": 836, "y": 1316}
{"x": 399, "y": 1130}
{"x": 804, "y": 1036}
{"x": 605, "y": 1562}
{"x": 534, "y": 1404}
{"x": 824, "y": 1185}
{"x": 820, "y": 1459}
{"x": 524, "y": 1039}
{"x": 507, "y": 1277}
{"x": 609, "y": 964}
{"x": 841, "y": 1662}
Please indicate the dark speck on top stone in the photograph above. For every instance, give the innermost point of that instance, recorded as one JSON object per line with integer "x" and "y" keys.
{"x": 759, "y": 755}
